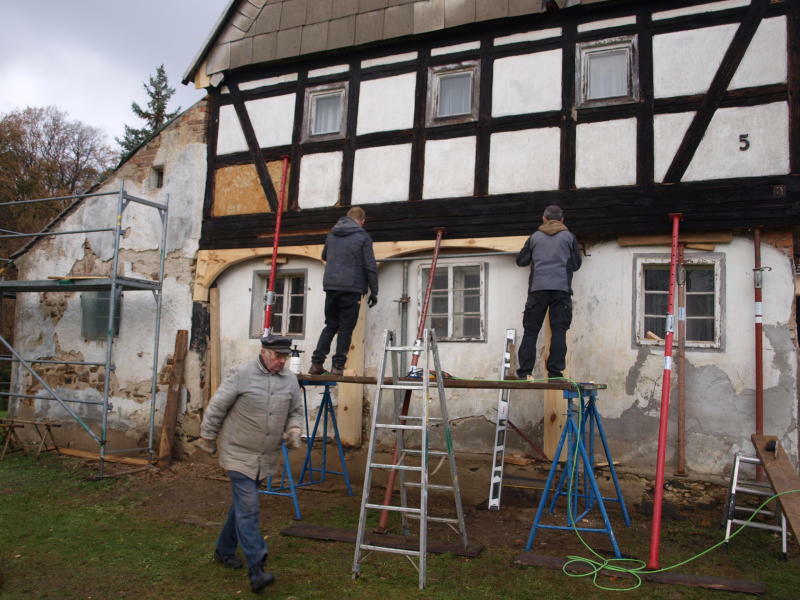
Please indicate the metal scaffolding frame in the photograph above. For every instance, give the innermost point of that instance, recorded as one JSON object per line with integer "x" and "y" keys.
{"x": 115, "y": 285}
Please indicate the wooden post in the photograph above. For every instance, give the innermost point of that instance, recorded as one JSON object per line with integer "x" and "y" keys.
{"x": 170, "y": 419}
{"x": 214, "y": 358}
{"x": 351, "y": 395}
{"x": 554, "y": 408}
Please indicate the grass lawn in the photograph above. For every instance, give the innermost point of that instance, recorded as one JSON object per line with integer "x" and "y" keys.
{"x": 64, "y": 537}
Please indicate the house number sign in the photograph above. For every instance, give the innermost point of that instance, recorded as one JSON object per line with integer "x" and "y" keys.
{"x": 744, "y": 143}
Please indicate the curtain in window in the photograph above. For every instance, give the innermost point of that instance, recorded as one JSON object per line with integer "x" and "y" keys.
{"x": 327, "y": 114}
{"x": 455, "y": 94}
{"x": 608, "y": 74}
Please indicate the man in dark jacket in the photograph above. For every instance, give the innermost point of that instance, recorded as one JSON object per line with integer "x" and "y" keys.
{"x": 552, "y": 251}
{"x": 349, "y": 269}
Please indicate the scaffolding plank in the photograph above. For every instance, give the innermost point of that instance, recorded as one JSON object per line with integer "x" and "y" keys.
{"x": 94, "y": 456}
{"x": 475, "y": 384}
{"x": 78, "y": 284}
{"x": 336, "y": 534}
{"x": 703, "y": 581}
{"x": 782, "y": 476}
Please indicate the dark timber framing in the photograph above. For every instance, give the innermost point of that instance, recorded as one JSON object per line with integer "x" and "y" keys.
{"x": 712, "y": 205}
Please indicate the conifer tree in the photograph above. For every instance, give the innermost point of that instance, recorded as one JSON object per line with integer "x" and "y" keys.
{"x": 154, "y": 116}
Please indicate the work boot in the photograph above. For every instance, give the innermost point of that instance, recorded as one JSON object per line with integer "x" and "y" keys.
{"x": 554, "y": 375}
{"x": 316, "y": 369}
{"x": 231, "y": 562}
{"x": 259, "y": 579}
{"x": 337, "y": 371}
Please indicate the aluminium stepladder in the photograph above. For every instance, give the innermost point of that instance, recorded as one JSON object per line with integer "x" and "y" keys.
{"x": 421, "y": 424}
{"x": 501, "y": 428}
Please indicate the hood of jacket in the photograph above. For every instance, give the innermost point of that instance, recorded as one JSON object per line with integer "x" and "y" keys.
{"x": 552, "y": 227}
{"x": 345, "y": 226}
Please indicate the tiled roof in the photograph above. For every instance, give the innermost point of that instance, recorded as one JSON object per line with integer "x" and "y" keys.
{"x": 258, "y": 31}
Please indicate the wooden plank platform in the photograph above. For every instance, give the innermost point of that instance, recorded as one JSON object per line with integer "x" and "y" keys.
{"x": 335, "y": 534}
{"x": 479, "y": 384}
{"x": 712, "y": 583}
{"x": 783, "y": 477}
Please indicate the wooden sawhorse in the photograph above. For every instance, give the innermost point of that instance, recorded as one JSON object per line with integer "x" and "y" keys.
{"x": 43, "y": 430}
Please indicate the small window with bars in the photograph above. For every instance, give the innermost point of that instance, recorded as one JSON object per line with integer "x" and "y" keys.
{"x": 702, "y": 288}
{"x": 326, "y": 110}
{"x": 607, "y": 72}
{"x": 456, "y": 309}
{"x": 453, "y": 93}
{"x": 288, "y": 312}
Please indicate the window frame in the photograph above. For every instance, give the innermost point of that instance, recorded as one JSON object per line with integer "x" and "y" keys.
{"x": 318, "y": 91}
{"x": 584, "y": 49}
{"x": 714, "y": 259}
{"x": 483, "y": 302}
{"x": 281, "y": 274}
{"x": 435, "y": 74}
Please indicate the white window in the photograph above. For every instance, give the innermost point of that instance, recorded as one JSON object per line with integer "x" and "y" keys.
{"x": 703, "y": 288}
{"x": 326, "y": 110}
{"x": 453, "y": 93}
{"x": 607, "y": 72}
{"x": 456, "y": 310}
{"x": 288, "y": 312}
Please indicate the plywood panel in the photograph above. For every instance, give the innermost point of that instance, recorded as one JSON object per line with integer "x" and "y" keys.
{"x": 238, "y": 190}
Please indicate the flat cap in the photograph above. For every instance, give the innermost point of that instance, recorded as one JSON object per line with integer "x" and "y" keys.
{"x": 278, "y": 343}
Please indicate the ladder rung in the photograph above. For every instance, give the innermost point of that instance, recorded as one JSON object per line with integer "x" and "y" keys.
{"x": 757, "y": 525}
{"x": 396, "y": 426}
{"x": 401, "y": 386}
{"x": 416, "y": 418}
{"x": 754, "y": 491}
{"x": 436, "y": 519}
{"x": 430, "y": 452}
{"x": 431, "y": 486}
{"x": 396, "y": 467}
{"x": 404, "y": 509}
{"x": 404, "y": 349}
{"x": 745, "y": 509}
{"x": 387, "y": 549}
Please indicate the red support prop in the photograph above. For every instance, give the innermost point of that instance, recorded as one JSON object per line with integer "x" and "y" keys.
{"x": 275, "y": 243}
{"x": 658, "y": 490}
{"x": 759, "y": 333}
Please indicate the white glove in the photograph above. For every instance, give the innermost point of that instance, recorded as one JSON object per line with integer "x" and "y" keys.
{"x": 292, "y": 438}
{"x": 206, "y": 445}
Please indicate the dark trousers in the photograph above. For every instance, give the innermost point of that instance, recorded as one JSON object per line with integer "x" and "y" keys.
{"x": 242, "y": 525}
{"x": 341, "y": 314}
{"x": 560, "y": 305}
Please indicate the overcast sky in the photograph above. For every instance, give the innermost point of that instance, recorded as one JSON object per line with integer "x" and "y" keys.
{"x": 90, "y": 57}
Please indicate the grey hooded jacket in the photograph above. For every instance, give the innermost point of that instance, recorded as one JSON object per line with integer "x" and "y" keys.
{"x": 350, "y": 263}
{"x": 552, "y": 251}
{"x": 248, "y": 414}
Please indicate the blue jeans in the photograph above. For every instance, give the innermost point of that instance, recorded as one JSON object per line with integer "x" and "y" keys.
{"x": 242, "y": 526}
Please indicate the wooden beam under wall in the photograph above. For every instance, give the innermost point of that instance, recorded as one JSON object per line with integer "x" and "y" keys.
{"x": 554, "y": 410}
{"x": 170, "y": 419}
{"x": 351, "y": 395}
{"x": 685, "y": 238}
{"x": 214, "y": 359}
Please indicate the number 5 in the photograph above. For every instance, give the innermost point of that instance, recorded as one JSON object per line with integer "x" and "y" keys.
{"x": 744, "y": 142}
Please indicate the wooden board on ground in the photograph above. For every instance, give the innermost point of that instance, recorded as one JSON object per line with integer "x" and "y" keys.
{"x": 335, "y": 534}
{"x": 170, "y": 419}
{"x": 127, "y": 460}
{"x": 782, "y": 476}
{"x": 713, "y": 583}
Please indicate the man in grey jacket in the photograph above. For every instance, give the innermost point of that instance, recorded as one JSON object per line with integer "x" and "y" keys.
{"x": 552, "y": 251}
{"x": 256, "y": 407}
{"x": 349, "y": 269}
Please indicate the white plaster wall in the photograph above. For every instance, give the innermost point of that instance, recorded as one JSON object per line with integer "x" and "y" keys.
{"x": 272, "y": 119}
{"x": 605, "y": 153}
{"x": 320, "y": 177}
{"x": 449, "y": 168}
{"x": 527, "y": 83}
{"x": 764, "y": 62}
{"x": 381, "y": 174}
{"x": 684, "y": 62}
{"x": 719, "y": 155}
{"x": 387, "y": 103}
{"x": 229, "y": 133}
{"x": 524, "y": 161}
{"x": 668, "y": 132}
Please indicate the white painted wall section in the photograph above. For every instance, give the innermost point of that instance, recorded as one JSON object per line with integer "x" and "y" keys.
{"x": 381, "y": 174}
{"x": 605, "y": 153}
{"x": 719, "y": 155}
{"x": 272, "y": 119}
{"x": 684, "y": 62}
{"x": 701, "y": 8}
{"x": 524, "y": 161}
{"x": 527, "y": 83}
{"x": 769, "y": 41}
{"x": 386, "y": 104}
{"x": 449, "y": 168}
{"x": 229, "y": 134}
{"x": 320, "y": 177}
{"x": 668, "y": 132}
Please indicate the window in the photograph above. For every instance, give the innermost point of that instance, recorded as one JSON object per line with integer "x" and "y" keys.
{"x": 157, "y": 177}
{"x": 457, "y": 301}
{"x": 607, "y": 72}
{"x": 326, "y": 107}
{"x": 453, "y": 93}
{"x": 94, "y": 314}
{"x": 703, "y": 288}
{"x": 288, "y": 312}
